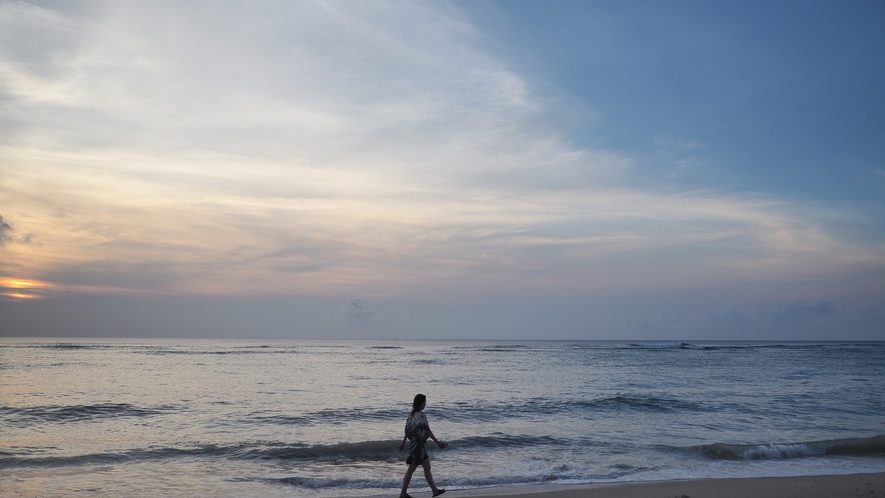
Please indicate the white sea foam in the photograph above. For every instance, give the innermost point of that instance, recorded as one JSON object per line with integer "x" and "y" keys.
{"x": 782, "y": 451}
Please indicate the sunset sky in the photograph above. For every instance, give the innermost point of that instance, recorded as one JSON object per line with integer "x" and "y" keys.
{"x": 515, "y": 169}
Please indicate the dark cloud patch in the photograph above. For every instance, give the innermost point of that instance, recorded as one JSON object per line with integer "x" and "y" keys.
{"x": 356, "y": 311}
{"x": 28, "y": 239}
{"x": 5, "y": 228}
{"x": 798, "y": 310}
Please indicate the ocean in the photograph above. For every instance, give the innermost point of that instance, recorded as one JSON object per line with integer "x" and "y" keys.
{"x": 269, "y": 418}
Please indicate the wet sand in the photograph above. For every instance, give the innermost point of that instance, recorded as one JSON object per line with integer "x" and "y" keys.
{"x": 838, "y": 486}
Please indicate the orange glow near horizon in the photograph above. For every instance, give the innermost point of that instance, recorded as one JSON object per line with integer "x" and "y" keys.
{"x": 20, "y": 283}
{"x": 24, "y": 285}
{"x": 20, "y": 295}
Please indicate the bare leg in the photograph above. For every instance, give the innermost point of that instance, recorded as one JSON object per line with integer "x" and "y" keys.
{"x": 408, "y": 478}
{"x": 428, "y": 476}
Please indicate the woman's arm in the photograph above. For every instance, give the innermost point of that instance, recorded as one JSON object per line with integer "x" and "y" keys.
{"x": 441, "y": 444}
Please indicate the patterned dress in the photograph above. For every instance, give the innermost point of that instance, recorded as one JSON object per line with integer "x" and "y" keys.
{"x": 417, "y": 431}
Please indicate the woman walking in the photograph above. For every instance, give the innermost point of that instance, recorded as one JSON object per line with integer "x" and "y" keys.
{"x": 417, "y": 432}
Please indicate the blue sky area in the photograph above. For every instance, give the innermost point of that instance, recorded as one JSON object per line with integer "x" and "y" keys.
{"x": 772, "y": 96}
{"x": 502, "y": 170}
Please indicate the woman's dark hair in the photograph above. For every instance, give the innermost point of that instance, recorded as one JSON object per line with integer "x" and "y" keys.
{"x": 419, "y": 400}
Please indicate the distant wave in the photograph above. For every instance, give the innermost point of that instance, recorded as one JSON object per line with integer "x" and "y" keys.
{"x": 237, "y": 351}
{"x": 30, "y": 415}
{"x": 128, "y": 456}
{"x": 428, "y": 361}
{"x": 323, "y": 417}
{"x": 498, "y": 348}
{"x": 648, "y": 403}
{"x": 385, "y": 451}
{"x": 457, "y": 412}
{"x": 853, "y": 446}
{"x": 753, "y": 345}
{"x": 525, "y": 346}
{"x": 508, "y": 441}
{"x": 68, "y": 346}
{"x": 162, "y": 350}
{"x": 71, "y": 346}
{"x": 365, "y": 450}
{"x": 534, "y": 407}
{"x": 464, "y": 412}
{"x": 670, "y": 345}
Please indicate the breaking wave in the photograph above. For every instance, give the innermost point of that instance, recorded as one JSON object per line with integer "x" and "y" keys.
{"x": 844, "y": 447}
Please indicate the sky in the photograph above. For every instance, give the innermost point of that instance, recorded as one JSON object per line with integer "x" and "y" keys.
{"x": 668, "y": 170}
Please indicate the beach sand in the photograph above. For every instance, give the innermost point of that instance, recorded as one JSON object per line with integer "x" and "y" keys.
{"x": 838, "y": 486}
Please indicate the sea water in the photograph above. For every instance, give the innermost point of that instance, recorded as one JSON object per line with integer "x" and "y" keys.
{"x": 127, "y": 417}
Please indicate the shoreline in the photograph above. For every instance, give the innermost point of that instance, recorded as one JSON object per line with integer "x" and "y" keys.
{"x": 814, "y": 486}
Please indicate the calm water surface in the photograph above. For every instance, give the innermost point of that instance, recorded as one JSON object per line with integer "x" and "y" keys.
{"x": 324, "y": 418}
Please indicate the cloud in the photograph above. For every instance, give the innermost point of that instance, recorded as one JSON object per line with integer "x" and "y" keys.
{"x": 401, "y": 91}
{"x": 798, "y": 310}
{"x": 5, "y": 229}
{"x": 356, "y": 311}
{"x": 322, "y": 148}
{"x": 39, "y": 49}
